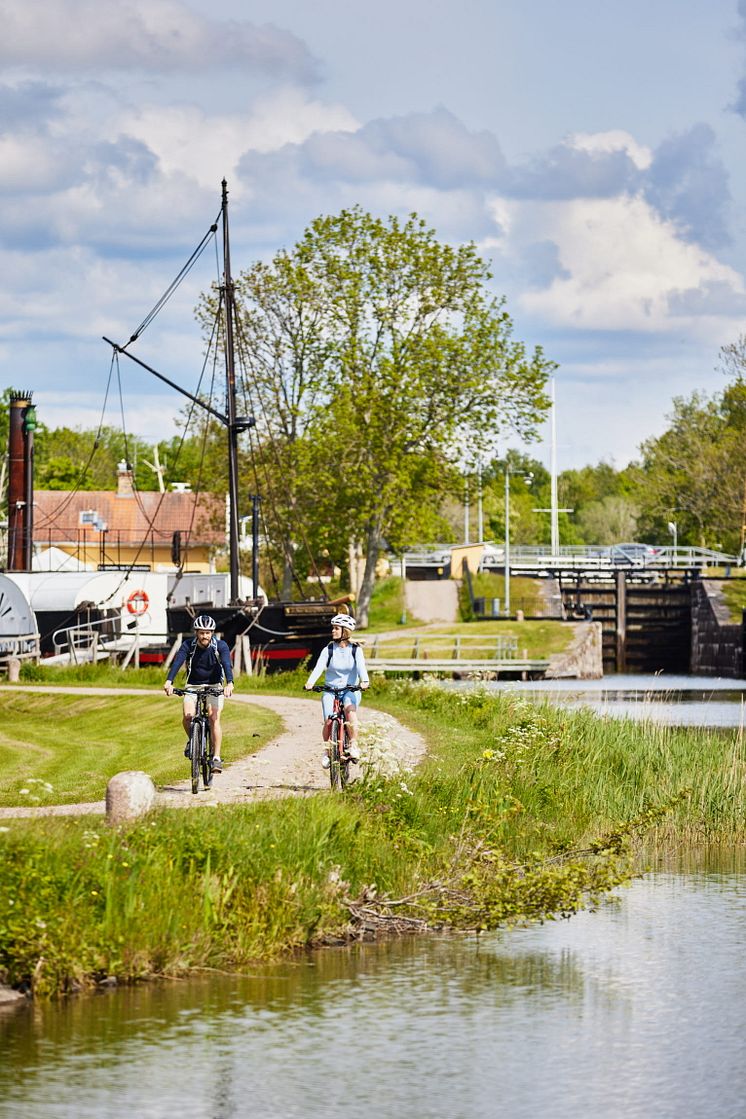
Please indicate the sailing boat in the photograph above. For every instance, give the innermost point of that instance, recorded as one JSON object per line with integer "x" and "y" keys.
{"x": 281, "y": 634}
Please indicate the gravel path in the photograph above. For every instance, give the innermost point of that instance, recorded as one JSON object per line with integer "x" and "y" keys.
{"x": 289, "y": 765}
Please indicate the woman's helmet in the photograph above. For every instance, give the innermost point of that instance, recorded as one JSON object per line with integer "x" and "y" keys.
{"x": 204, "y": 621}
{"x": 344, "y": 620}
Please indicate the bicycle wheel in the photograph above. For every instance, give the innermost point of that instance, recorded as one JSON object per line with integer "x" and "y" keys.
{"x": 344, "y": 760}
{"x": 195, "y": 742}
{"x": 206, "y": 757}
{"x": 334, "y": 767}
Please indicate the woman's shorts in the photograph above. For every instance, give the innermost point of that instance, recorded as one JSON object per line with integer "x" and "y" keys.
{"x": 350, "y": 698}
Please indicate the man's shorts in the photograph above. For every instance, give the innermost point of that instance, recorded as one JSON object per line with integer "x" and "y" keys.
{"x": 214, "y": 702}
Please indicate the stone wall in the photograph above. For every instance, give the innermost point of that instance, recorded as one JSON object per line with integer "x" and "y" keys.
{"x": 717, "y": 642}
{"x": 584, "y": 658}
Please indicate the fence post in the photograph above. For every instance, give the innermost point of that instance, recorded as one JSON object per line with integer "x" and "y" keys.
{"x": 172, "y": 653}
{"x": 246, "y": 650}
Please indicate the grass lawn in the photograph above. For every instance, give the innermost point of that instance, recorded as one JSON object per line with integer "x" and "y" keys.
{"x": 538, "y": 639}
{"x": 734, "y": 594}
{"x": 64, "y": 748}
{"x": 387, "y": 606}
{"x": 525, "y": 593}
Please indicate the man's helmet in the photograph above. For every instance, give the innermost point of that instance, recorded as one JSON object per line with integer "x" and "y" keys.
{"x": 344, "y": 620}
{"x": 204, "y": 621}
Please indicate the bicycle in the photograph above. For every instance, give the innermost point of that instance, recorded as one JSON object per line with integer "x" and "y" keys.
{"x": 339, "y": 759}
{"x": 200, "y": 743}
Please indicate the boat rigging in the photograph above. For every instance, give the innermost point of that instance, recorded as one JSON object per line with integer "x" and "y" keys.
{"x": 233, "y": 423}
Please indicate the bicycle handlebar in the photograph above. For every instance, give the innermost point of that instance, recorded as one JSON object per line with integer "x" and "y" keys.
{"x": 198, "y": 689}
{"x": 336, "y": 691}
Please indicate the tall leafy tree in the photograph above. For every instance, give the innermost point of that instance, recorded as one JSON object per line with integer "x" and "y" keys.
{"x": 421, "y": 362}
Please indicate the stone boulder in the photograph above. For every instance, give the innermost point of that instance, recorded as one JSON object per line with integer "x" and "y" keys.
{"x": 128, "y": 795}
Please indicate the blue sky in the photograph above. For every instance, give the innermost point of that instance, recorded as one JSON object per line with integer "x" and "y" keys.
{"x": 594, "y": 152}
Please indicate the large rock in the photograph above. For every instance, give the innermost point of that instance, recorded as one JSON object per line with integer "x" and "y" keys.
{"x": 128, "y": 795}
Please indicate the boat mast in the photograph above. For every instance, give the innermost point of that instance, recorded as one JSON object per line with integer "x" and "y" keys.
{"x": 233, "y": 425}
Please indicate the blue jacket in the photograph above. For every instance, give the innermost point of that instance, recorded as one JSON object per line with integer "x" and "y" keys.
{"x": 211, "y": 665}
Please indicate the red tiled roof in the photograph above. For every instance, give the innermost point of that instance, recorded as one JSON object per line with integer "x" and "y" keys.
{"x": 57, "y": 515}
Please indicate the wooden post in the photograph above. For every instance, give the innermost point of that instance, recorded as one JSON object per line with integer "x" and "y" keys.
{"x": 173, "y": 651}
{"x": 246, "y": 653}
{"x": 621, "y": 621}
{"x": 237, "y": 656}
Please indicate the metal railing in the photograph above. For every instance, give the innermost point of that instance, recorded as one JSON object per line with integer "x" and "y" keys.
{"x": 441, "y": 646}
{"x": 571, "y": 556}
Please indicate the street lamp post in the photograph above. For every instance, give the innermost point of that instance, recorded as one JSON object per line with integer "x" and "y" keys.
{"x": 527, "y": 475}
{"x": 673, "y": 529}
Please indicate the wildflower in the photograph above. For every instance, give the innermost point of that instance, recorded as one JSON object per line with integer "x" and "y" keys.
{"x": 4, "y": 829}
{"x": 24, "y": 792}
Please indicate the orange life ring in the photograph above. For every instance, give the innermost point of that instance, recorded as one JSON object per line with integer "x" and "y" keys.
{"x": 138, "y": 602}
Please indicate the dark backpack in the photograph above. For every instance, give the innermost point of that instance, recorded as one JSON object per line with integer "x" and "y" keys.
{"x": 330, "y": 648}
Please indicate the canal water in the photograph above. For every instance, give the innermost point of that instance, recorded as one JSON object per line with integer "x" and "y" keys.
{"x": 635, "y": 1010}
{"x": 691, "y": 701}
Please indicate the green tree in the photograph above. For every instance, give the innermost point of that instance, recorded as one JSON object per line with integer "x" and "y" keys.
{"x": 421, "y": 362}
{"x": 693, "y": 474}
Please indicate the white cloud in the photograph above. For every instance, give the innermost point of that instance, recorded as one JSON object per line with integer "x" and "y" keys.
{"x": 158, "y": 35}
{"x": 205, "y": 146}
{"x": 615, "y": 140}
{"x": 623, "y": 265}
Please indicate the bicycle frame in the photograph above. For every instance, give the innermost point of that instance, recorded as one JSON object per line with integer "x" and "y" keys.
{"x": 339, "y": 760}
{"x": 200, "y": 737}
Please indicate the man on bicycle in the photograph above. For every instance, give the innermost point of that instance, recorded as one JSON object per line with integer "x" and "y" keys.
{"x": 208, "y": 661}
{"x": 345, "y": 668}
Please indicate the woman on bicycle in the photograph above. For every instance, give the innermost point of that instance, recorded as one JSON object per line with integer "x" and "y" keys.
{"x": 208, "y": 661}
{"x": 344, "y": 663}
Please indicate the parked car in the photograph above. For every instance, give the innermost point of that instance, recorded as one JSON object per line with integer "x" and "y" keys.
{"x": 635, "y": 555}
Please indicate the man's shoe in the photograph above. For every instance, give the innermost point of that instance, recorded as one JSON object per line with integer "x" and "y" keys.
{"x": 187, "y": 753}
{"x": 325, "y": 762}
{"x": 216, "y": 764}
{"x": 353, "y": 752}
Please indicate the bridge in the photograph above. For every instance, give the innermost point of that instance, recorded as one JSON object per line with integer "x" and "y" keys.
{"x": 434, "y": 562}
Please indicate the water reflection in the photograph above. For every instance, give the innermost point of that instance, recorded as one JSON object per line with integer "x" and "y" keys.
{"x": 638, "y": 1009}
{"x": 683, "y": 701}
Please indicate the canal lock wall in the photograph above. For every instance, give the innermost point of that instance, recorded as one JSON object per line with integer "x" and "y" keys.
{"x": 717, "y": 642}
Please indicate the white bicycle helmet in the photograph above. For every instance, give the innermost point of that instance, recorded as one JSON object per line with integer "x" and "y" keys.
{"x": 204, "y": 621}
{"x": 344, "y": 620}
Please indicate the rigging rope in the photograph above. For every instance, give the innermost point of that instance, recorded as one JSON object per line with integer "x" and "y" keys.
{"x": 175, "y": 283}
{"x": 151, "y": 520}
{"x": 52, "y": 519}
